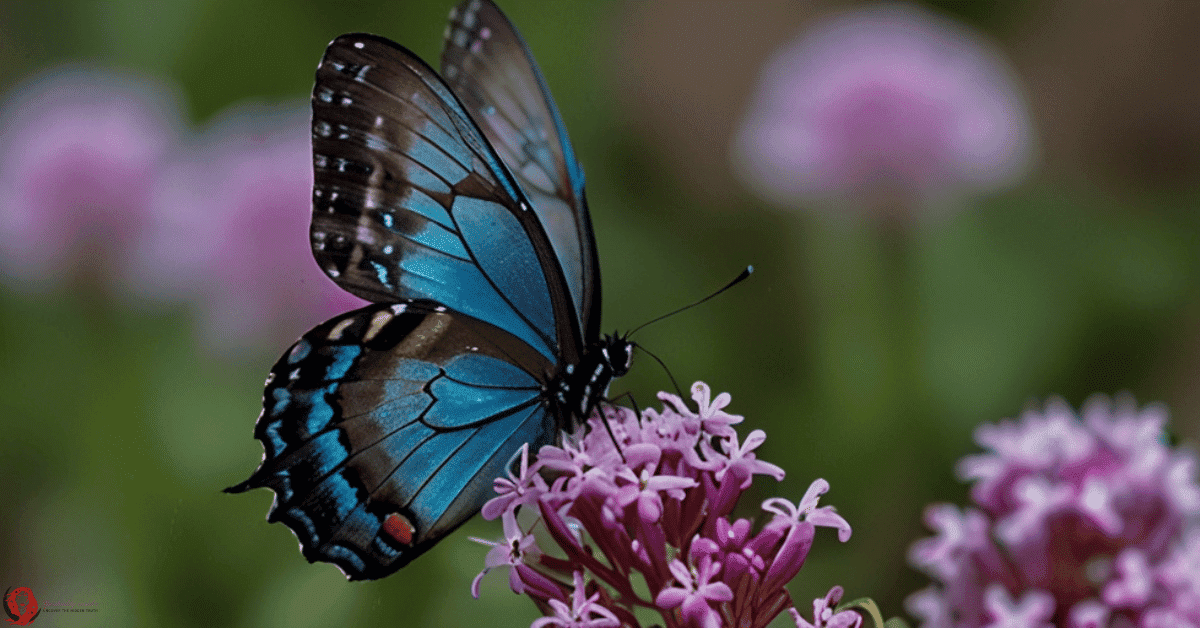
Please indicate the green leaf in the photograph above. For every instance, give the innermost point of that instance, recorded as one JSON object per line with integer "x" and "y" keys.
{"x": 867, "y": 606}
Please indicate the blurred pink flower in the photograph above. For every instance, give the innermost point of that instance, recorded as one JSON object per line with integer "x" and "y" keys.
{"x": 1077, "y": 524}
{"x": 228, "y": 231}
{"x": 884, "y": 109}
{"x": 96, "y": 180}
{"x": 79, "y": 151}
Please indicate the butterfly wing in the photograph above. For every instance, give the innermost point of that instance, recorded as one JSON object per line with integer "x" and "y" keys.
{"x": 384, "y": 428}
{"x": 410, "y": 201}
{"x": 489, "y": 66}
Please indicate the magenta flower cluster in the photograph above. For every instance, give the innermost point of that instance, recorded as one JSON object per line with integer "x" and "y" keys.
{"x": 884, "y": 108}
{"x": 78, "y": 156}
{"x": 102, "y": 184}
{"x": 642, "y": 522}
{"x": 1089, "y": 522}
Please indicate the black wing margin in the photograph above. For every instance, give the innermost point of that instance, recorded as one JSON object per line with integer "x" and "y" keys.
{"x": 491, "y": 70}
{"x": 411, "y": 202}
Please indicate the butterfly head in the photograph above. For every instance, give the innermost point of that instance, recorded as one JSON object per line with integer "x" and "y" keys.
{"x": 618, "y": 353}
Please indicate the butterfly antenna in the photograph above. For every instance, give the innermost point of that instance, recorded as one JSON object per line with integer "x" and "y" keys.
{"x": 739, "y": 279}
{"x": 674, "y": 383}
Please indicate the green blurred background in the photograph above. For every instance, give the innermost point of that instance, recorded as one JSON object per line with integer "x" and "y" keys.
{"x": 867, "y": 354}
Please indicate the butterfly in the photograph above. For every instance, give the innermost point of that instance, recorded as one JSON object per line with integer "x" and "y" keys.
{"x": 455, "y": 204}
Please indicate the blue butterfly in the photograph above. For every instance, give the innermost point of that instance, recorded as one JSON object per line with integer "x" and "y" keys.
{"x": 455, "y": 204}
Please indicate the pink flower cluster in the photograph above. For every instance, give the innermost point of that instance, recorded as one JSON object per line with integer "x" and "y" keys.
{"x": 884, "y": 108}
{"x": 100, "y": 180}
{"x": 650, "y": 502}
{"x": 1091, "y": 523}
{"x": 79, "y": 151}
{"x": 227, "y": 229}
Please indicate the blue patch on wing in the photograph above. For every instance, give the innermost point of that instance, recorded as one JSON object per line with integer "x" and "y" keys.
{"x": 457, "y": 410}
{"x": 427, "y": 233}
{"x": 486, "y": 371}
{"x": 463, "y": 483}
{"x": 506, "y": 255}
{"x": 461, "y": 287}
{"x": 418, "y": 202}
{"x": 343, "y": 358}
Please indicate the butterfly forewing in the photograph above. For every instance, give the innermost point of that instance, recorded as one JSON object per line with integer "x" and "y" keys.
{"x": 491, "y": 70}
{"x": 410, "y": 201}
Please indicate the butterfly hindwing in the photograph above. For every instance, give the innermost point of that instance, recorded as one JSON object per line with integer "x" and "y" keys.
{"x": 405, "y": 409}
{"x": 411, "y": 202}
{"x": 489, "y": 67}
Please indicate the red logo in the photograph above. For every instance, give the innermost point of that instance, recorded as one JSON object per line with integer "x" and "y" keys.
{"x": 20, "y": 606}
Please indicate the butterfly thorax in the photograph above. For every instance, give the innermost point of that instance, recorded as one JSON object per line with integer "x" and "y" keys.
{"x": 581, "y": 387}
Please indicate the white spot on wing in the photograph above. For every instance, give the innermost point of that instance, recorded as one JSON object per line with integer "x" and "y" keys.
{"x": 339, "y": 329}
{"x": 371, "y": 197}
{"x": 363, "y": 234}
{"x": 378, "y": 321}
